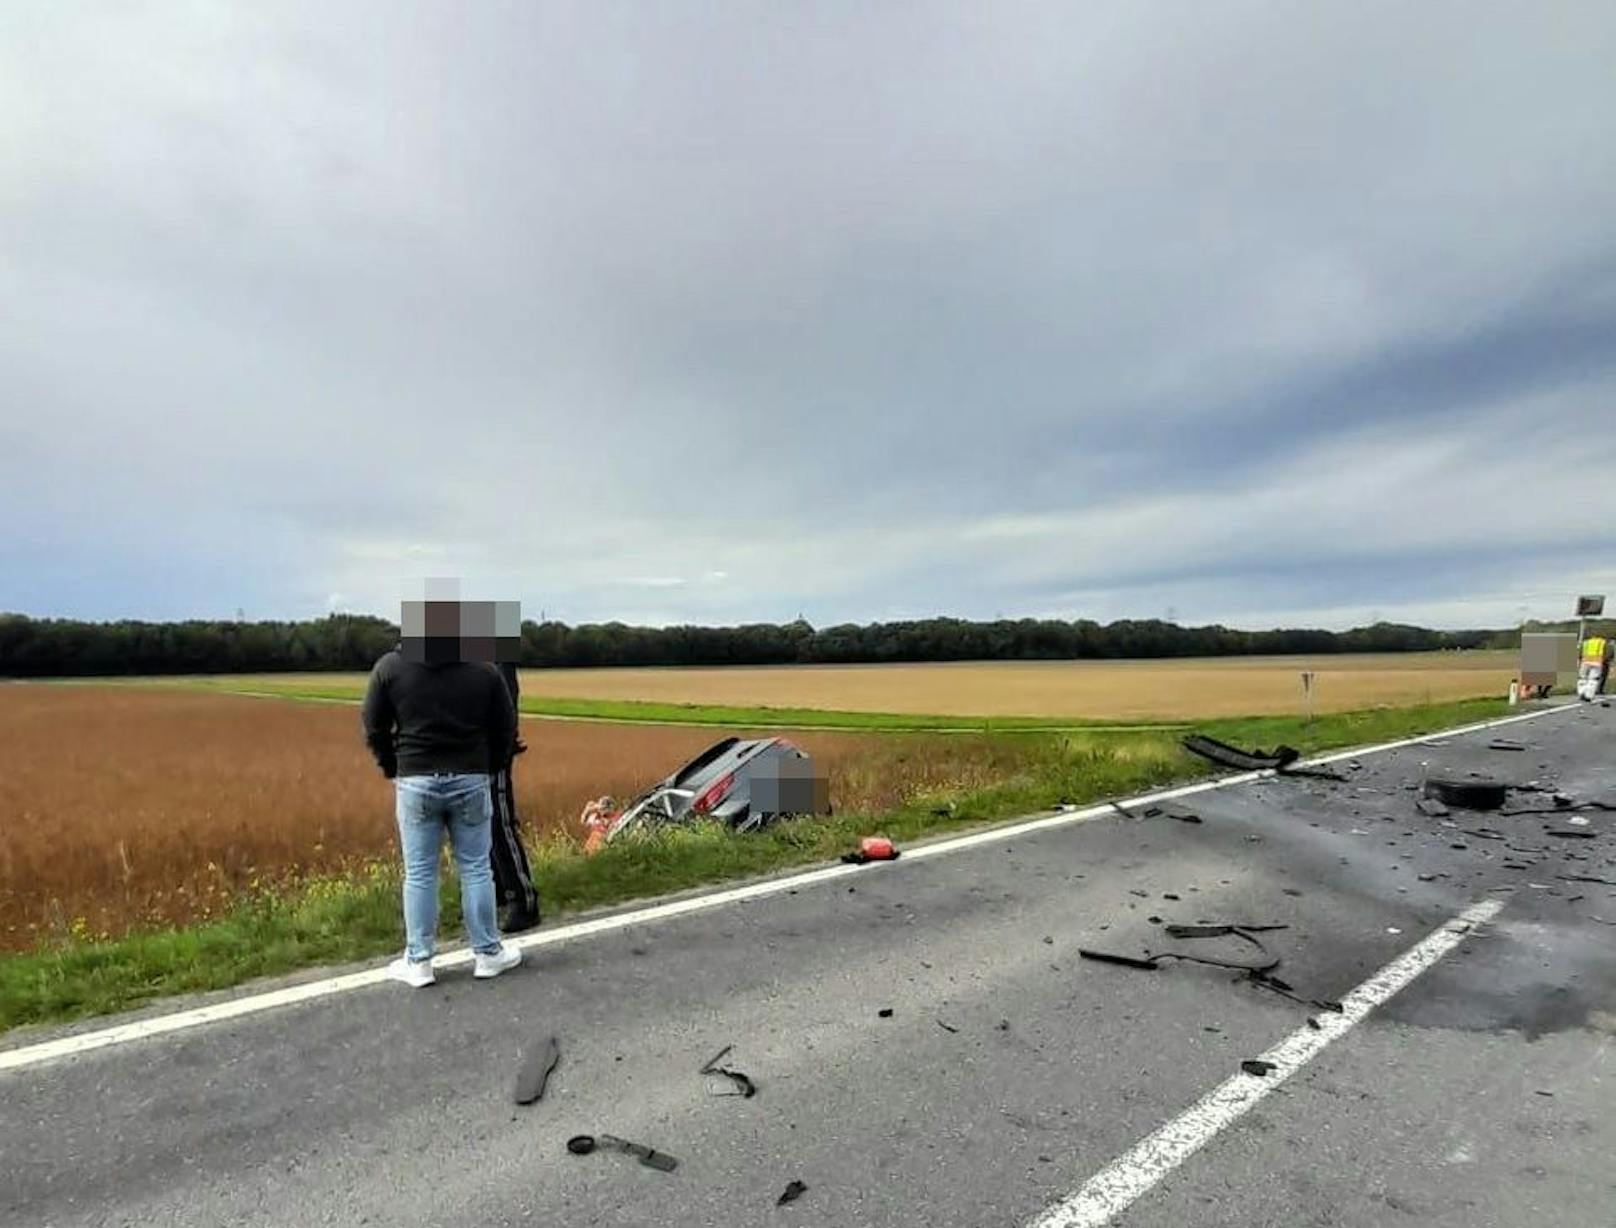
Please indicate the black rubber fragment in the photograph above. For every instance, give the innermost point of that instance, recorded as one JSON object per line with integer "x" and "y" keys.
{"x": 1233, "y": 756}
{"x": 648, "y": 1156}
{"x": 793, "y": 1191}
{"x": 1467, "y": 794}
{"x": 534, "y": 1074}
{"x": 1108, "y": 957}
{"x": 1256, "y": 1066}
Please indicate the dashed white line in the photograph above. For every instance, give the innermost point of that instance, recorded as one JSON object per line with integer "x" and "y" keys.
{"x": 1122, "y": 1182}
{"x": 141, "y": 1029}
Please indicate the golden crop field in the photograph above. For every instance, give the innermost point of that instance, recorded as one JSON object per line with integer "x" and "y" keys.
{"x": 127, "y": 806}
{"x": 1114, "y": 690}
{"x": 1161, "y": 689}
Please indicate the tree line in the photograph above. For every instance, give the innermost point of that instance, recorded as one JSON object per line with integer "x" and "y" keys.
{"x": 31, "y": 647}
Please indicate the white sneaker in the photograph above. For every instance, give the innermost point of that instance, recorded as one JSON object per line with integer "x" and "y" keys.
{"x": 417, "y": 974}
{"x": 503, "y": 960}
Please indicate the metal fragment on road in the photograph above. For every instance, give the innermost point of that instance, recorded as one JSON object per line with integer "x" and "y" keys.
{"x": 743, "y": 1085}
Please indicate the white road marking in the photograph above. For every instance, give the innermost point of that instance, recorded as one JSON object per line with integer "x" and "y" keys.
{"x": 1119, "y": 1184}
{"x": 249, "y": 1004}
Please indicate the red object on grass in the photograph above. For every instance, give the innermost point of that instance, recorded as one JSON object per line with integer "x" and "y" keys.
{"x": 877, "y": 848}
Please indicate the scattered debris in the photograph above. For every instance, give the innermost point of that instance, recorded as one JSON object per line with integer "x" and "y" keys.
{"x": 534, "y": 1073}
{"x": 1158, "y": 810}
{"x": 1484, "y": 833}
{"x": 793, "y": 1192}
{"x": 1147, "y": 964}
{"x": 583, "y": 1144}
{"x": 1233, "y": 756}
{"x": 1316, "y": 773}
{"x": 885, "y": 1012}
{"x": 1314, "y": 1024}
{"x": 1578, "y": 820}
{"x": 1541, "y": 1092}
{"x": 947, "y": 1027}
{"x": 1505, "y": 744}
{"x": 1257, "y": 1066}
{"x": 1574, "y": 833}
{"x": 1479, "y": 794}
{"x": 1432, "y": 808}
{"x": 872, "y": 848}
{"x": 1219, "y": 931}
{"x": 1586, "y": 878}
{"x": 744, "y": 1086}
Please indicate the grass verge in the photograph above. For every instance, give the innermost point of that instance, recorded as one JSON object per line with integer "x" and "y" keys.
{"x": 356, "y": 915}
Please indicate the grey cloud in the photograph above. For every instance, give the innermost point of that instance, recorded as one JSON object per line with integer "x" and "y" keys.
{"x": 568, "y": 295}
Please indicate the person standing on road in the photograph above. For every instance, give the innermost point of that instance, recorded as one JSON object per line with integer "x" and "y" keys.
{"x": 512, "y": 876}
{"x": 438, "y": 725}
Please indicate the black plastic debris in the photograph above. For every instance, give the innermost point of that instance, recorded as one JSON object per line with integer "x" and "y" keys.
{"x": 793, "y": 1191}
{"x": 1256, "y": 1066}
{"x": 1219, "y": 930}
{"x": 885, "y": 1012}
{"x": 1159, "y": 810}
{"x": 584, "y": 1144}
{"x": 742, "y": 1084}
{"x": 1505, "y": 744}
{"x": 947, "y": 1027}
{"x": 1232, "y": 756}
{"x": 1480, "y": 794}
{"x": 1572, "y": 833}
{"x": 537, "y": 1066}
{"x": 1265, "y": 962}
{"x": 1147, "y": 964}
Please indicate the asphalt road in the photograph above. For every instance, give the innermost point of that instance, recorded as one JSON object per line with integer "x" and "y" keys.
{"x": 1008, "y": 1073}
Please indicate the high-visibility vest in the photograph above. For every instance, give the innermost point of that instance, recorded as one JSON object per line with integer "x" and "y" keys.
{"x": 1593, "y": 649}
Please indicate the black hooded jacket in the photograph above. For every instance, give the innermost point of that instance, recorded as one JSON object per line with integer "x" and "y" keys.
{"x": 421, "y": 718}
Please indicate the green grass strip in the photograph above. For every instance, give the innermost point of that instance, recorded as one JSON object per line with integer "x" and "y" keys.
{"x": 651, "y": 712}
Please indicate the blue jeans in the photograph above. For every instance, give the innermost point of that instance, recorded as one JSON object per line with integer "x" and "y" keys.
{"x": 427, "y": 805}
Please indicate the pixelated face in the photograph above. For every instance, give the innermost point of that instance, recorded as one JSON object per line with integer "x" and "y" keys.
{"x": 437, "y": 632}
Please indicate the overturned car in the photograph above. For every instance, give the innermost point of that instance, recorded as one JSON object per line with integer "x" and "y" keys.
{"x": 743, "y": 783}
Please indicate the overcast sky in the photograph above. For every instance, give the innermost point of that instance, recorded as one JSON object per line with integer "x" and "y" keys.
{"x": 1261, "y": 314}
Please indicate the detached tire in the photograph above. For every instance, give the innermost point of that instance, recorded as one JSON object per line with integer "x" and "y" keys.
{"x": 1467, "y": 794}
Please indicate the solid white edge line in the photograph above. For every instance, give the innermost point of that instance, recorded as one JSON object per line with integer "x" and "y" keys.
{"x": 1122, "y": 1182}
{"x": 235, "y": 1008}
